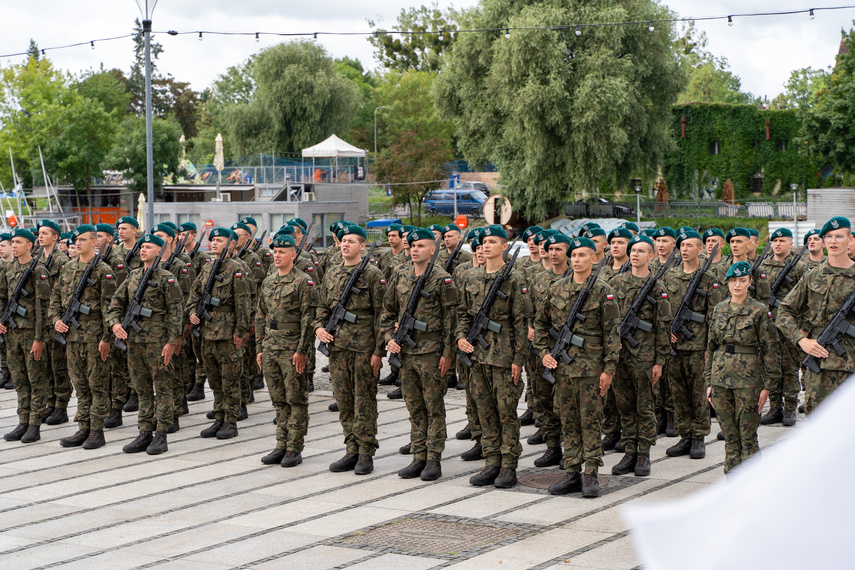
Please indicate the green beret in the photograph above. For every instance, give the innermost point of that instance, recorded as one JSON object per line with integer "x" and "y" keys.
{"x": 151, "y": 238}
{"x": 594, "y": 232}
{"x": 241, "y": 226}
{"x": 249, "y": 221}
{"x": 684, "y": 228}
{"x": 542, "y": 236}
{"x": 49, "y": 224}
{"x": 63, "y": 235}
{"x": 395, "y": 228}
{"x": 163, "y": 228}
{"x": 69, "y": 242}
{"x": 475, "y": 234}
{"x": 835, "y": 223}
{"x": 86, "y": 228}
{"x": 420, "y": 233}
{"x": 299, "y": 222}
{"x": 5, "y": 236}
{"x": 649, "y": 232}
{"x": 733, "y": 232}
{"x": 24, "y": 233}
{"x": 630, "y": 226}
{"x": 640, "y": 238}
{"x": 810, "y": 233}
{"x": 530, "y": 232}
{"x": 581, "y": 242}
{"x": 128, "y": 220}
{"x": 171, "y": 225}
{"x": 450, "y": 228}
{"x": 688, "y": 234}
{"x": 334, "y": 226}
{"x": 557, "y": 237}
{"x": 408, "y": 229}
{"x": 620, "y": 233}
{"x": 436, "y": 228}
{"x": 287, "y": 230}
{"x": 781, "y": 233}
{"x": 281, "y": 240}
{"x": 738, "y": 269}
{"x": 356, "y": 231}
{"x": 587, "y": 226}
{"x": 221, "y": 232}
{"x": 106, "y": 228}
{"x": 187, "y": 227}
{"x": 711, "y": 233}
{"x": 753, "y": 233}
{"x": 664, "y": 232}
{"x": 494, "y": 230}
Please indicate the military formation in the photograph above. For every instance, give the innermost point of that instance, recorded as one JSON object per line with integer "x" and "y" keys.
{"x": 622, "y": 336}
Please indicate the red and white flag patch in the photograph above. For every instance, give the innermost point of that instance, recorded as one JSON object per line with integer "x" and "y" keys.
{"x": 311, "y": 282}
{"x": 769, "y": 314}
{"x": 525, "y": 289}
{"x": 120, "y": 266}
{"x": 664, "y": 295}
{"x": 109, "y": 276}
{"x": 43, "y": 276}
{"x": 310, "y": 269}
{"x": 447, "y": 280}
{"x": 715, "y": 285}
{"x": 610, "y": 297}
{"x": 382, "y": 281}
{"x": 762, "y": 276}
{"x": 258, "y": 264}
{"x": 171, "y": 281}
{"x": 238, "y": 274}
{"x": 184, "y": 271}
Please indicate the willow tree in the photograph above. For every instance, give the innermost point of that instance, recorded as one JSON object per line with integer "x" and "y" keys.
{"x": 558, "y": 110}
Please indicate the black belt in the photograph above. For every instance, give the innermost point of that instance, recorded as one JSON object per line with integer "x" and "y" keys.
{"x": 276, "y": 326}
{"x": 737, "y": 349}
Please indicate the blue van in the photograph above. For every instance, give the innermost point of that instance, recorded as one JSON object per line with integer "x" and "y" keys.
{"x": 469, "y": 202}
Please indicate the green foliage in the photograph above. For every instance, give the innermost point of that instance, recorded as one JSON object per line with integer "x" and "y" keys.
{"x": 804, "y": 85}
{"x": 558, "y": 112}
{"x": 710, "y": 81}
{"x": 136, "y": 80}
{"x": 417, "y": 51}
{"x": 129, "y": 153}
{"x": 109, "y": 88}
{"x": 362, "y": 126}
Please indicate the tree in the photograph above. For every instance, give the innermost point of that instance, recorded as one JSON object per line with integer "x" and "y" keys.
{"x": 298, "y": 101}
{"x": 422, "y": 49}
{"x": 362, "y": 126}
{"x": 136, "y": 80}
{"x": 804, "y": 85}
{"x": 110, "y": 88}
{"x": 129, "y": 153}
{"x": 710, "y": 80}
{"x": 555, "y": 111}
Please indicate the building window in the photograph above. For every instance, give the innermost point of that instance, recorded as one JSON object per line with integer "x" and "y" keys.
{"x": 277, "y": 221}
{"x": 715, "y": 147}
{"x": 192, "y": 218}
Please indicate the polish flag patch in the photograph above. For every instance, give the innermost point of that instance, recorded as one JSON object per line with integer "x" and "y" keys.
{"x": 447, "y": 280}
{"x": 120, "y": 266}
{"x": 762, "y": 276}
{"x": 43, "y": 276}
{"x": 525, "y": 289}
{"x": 715, "y": 285}
{"x": 171, "y": 281}
{"x": 610, "y": 297}
{"x": 188, "y": 265}
{"x": 258, "y": 264}
{"x": 184, "y": 271}
{"x": 310, "y": 269}
{"x": 664, "y": 295}
{"x": 238, "y": 274}
{"x": 316, "y": 263}
{"x": 109, "y": 276}
{"x": 310, "y": 282}
{"x": 769, "y": 314}
{"x": 382, "y": 281}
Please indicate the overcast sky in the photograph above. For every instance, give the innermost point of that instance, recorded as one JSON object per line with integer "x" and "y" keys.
{"x": 762, "y": 51}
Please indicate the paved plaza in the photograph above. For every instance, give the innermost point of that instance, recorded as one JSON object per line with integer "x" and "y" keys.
{"x": 212, "y": 504}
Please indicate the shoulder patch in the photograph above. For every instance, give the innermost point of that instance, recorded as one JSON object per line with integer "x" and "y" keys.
{"x": 769, "y": 314}
{"x": 610, "y": 297}
{"x": 43, "y": 276}
{"x": 109, "y": 276}
{"x": 310, "y": 282}
{"x": 316, "y": 263}
{"x": 189, "y": 264}
{"x": 238, "y": 274}
{"x": 184, "y": 271}
{"x": 310, "y": 269}
{"x": 170, "y": 280}
{"x": 715, "y": 285}
{"x": 120, "y": 266}
{"x": 382, "y": 281}
{"x": 258, "y": 264}
{"x": 207, "y": 260}
{"x": 664, "y": 295}
{"x": 447, "y": 280}
{"x": 525, "y": 289}
{"x": 762, "y": 276}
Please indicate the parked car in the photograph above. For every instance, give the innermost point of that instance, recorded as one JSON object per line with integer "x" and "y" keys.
{"x": 466, "y": 185}
{"x": 469, "y": 202}
{"x": 598, "y": 208}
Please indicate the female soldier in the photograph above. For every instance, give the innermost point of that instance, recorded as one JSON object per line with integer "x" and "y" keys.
{"x": 740, "y": 339}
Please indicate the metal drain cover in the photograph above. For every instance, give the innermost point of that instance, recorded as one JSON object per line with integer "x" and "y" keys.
{"x": 544, "y": 480}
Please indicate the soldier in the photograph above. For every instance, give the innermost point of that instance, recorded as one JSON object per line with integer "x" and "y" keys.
{"x": 816, "y": 249}
{"x": 715, "y": 237}
{"x": 126, "y": 228}
{"x": 685, "y": 368}
{"x": 585, "y": 227}
{"x": 88, "y": 344}
{"x": 753, "y": 243}
{"x": 598, "y": 236}
{"x": 496, "y": 370}
{"x": 580, "y": 385}
{"x": 665, "y": 240}
{"x": 6, "y": 257}
{"x": 531, "y": 267}
{"x": 265, "y": 256}
{"x": 424, "y": 365}
{"x": 451, "y": 236}
{"x": 741, "y": 342}
{"x": 812, "y": 303}
{"x": 618, "y": 240}
{"x": 436, "y": 229}
{"x": 56, "y": 362}
{"x": 223, "y": 336}
{"x": 387, "y": 262}
{"x": 740, "y": 244}
{"x": 356, "y": 351}
{"x": 631, "y": 226}
{"x": 332, "y": 254}
{"x": 287, "y": 303}
{"x": 27, "y": 338}
{"x": 148, "y": 355}
{"x": 195, "y": 370}
{"x": 639, "y": 367}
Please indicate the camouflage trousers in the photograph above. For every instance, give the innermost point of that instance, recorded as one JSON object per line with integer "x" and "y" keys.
{"x": 465, "y": 375}
{"x": 817, "y": 386}
{"x": 4, "y": 366}
{"x": 56, "y": 368}
{"x": 578, "y": 402}
{"x": 153, "y": 382}
{"x": 633, "y": 390}
{"x": 544, "y": 405}
{"x": 496, "y": 398}
{"x": 31, "y": 380}
{"x": 222, "y": 362}
{"x": 199, "y": 375}
{"x": 289, "y": 393}
{"x": 736, "y": 411}
{"x": 119, "y": 377}
{"x": 355, "y": 390}
{"x": 424, "y": 392}
{"x": 662, "y": 396}
{"x": 785, "y": 394}
{"x": 249, "y": 370}
{"x": 691, "y": 408}
{"x": 179, "y": 379}
{"x": 91, "y": 380}
{"x": 611, "y": 421}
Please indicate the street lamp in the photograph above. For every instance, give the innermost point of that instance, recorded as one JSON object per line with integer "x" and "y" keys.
{"x": 638, "y": 203}
{"x": 375, "y": 127}
{"x": 147, "y": 9}
{"x": 795, "y": 188}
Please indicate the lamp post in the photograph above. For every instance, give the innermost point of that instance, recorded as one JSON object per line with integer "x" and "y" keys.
{"x": 149, "y": 146}
{"x": 795, "y": 188}
{"x": 638, "y": 203}
{"x": 375, "y": 127}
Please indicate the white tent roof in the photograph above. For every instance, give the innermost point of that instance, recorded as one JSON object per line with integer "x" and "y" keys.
{"x": 333, "y": 147}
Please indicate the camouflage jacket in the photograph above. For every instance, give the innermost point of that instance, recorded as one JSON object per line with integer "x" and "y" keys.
{"x": 508, "y": 346}
{"x": 676, "y": 283}
{"x": 609, "y": 272}
{"x": 719, "y": 269}
{"x": 813, "y": 264}
{"x": 438, "y": 311}
{"x": 330, "y": 257}
{"x": 162, "y": 297}
{"x": 117, "y": 261}
{"x": 388, "y": 260}
{"x": 601, "y": 348}
{"x": 265, "y": 254}
{"x": 232, "y": 316}
{"x": 198, "y": 261}
{"x": 462, "y": 257}
{"x": 769, "y": 271}
{"x": 96, "y": 296}
{"x": 363, "y": 335}
{"x": 57, "y": 259}
{"x": 35, "y": 305}
{"x": 742, "y": 342}
{"x": 541, "y": 282}
{"x": 653, "y": 346}
{"x": 286, "y": 312}
{"x": 253, "y": 263}
{"x": 812, "y": 303}
{"x": 531, "y": 270}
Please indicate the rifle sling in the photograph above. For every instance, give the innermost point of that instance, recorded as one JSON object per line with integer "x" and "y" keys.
{"x": 737, "y": 349}
{"x": 417, "y": 336}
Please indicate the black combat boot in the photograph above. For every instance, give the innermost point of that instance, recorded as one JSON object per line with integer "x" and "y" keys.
{"x": 395, "y": 394}
{"x": 406, "y": 449}
{"x": 642, "y": 465}
{"x": 698, "y": 449}
{"x": 17, "y": 433}
{"x": 789, "y": 418}
{"x": 158, "y": 444}
{"x": 720, "y": 436}
{"x": 228, "y": 431}
{"x": 274, "y": 457}
{"x": 212, "y": 430}
{"x": 619, "y": 447}
{"x": 527, "y": 418}
{"x": 451, "y": 378}
{"x": 325, "y": 368}
{"x": 626, "y": 465}
{"x": 10, "y": 384}
{"x": 174, "y": 426}
{"x": 590, "y": 486}
{"x": 243, "y": 413}
{"x": 465, "y": 433}
{"x": 571, "y": 483}
{"x": 552, "y": 456}
{"x": 333, "y": 407}
{"x": 609, "y": 441}
{"x": 292, "y": 459}
{"x": 460, "y": 385}
{"x": 536, "y": 438}
{"x": 133, "y": 403}
{"x": 59, "y": 416}
{"x": 670, "y": 430}
{"x": 140, "y": 444}
{"x": 48, "y": 411}
{"x": 114, "y": 419}
{"x": 507, "y": 478}
{"x": 682, "y": 447}
{"x": 346, "y": 463}
{"x": 75, "y": 440}
{"x": 412, "y": 470}
{"x": 801, "y": 406}
{"x": 33, "y": 434}
{"x": 661, "y": 424}
{"x": 487, "y": 476}
{"x": 432, "y": 471}
{"x": 197, "y": 393}
{"x": 772, "y": 417}
{"x": 391, "y": 378}
{"x": 311, "y": 378}
{"x": 95, "y": 439}
{"x": 258, "y": 383}
{"x": 473, "y": 454}
{"x": 185, "y": 408}
{"x": 365, "y": 465}
{"x": 210, "y": 414}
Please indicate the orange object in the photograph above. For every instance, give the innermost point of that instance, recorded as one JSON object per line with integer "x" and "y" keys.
{"x": 13, "y": 221}
{"x": 209, "y": 223}
{"x": 461, "y": 221}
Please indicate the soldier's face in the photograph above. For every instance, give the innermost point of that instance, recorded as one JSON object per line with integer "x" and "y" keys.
{"x": 814, "y": 243}
{"x": 242, "y": 237}
{"x": 421, "y": 250}
{"x": 191, "y": 238}
{"x": 351, "y": 246}
{"x": 47, "y": 237}
{"x": 542, "y": 249}
{"x": 640, "y": 255}
{"x": 712, "y": 242}
{"x": 283, "y": 257}
{"x": 600, "y": 242}
{"x": 690, "y": 249}
{"x": 127, "y": 232}
{"x": 167, "y": 239}
{"x": 494, "y": 247}
{"x": 72, "y": 251}
{"x": 103, "y": 238}
{"x": 782, "y": 246}
{"x": 5, "y": 248}
{"x": 836, "y": 241}
{"x": 739, "y": 245}
{"x": 531, "y": 246}
{"x": 63, "y": 247}
{"x": 739, "y": 285}
{"x": 436, "y": 235}
{"x": 582, "y": 260}
{"x": 218, "y": 243}
{"x": 479, "y": 254}
{"x": 20, "y": 246}
{"x": 148, "y": 251}
{"x": 451, "y": 239}
{"x": 665, "y": 245}
{"x": 394, "y": 239}
{"x": 618, "y": 247}
{"x": 754, "y": 241}
{"x": 558, "y": 254}
{"x": 85, "y": 243}
{"x": 404, "y": 241}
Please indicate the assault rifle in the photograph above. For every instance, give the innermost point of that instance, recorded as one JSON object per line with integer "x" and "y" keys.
{"x": 249, "y": 241}
{"x": 783, "y": 276}
{"x": 449, "y": 263}
{"x": 631, "y": 322}
{"x": 135, "y": 310}
{"x": 130, "y": 255}
{"x": 408, "y": 322}
{"x": 757, "y": 262}
{"x": 75, "y": 307}
{"x": 197, "y": 246}
{"x": 684, "y": 313}
{"x": 565, "y": 337}
{"x": 206, "y": 301}
{"x": 178, "y": 249}
{"x": 12, "y": 307}
{"x": 482, "y": 322}
{"x": 339, "y": 313}
{"x": 833, "y": 333}
{"x": 258, "y": 241}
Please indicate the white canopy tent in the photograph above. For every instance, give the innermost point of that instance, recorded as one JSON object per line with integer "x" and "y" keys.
{"x": 333, "y": 147}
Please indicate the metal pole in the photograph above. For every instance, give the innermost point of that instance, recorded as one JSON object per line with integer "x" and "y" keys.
{"x": 375, "y": 127}
{"x": 149, "y": 145}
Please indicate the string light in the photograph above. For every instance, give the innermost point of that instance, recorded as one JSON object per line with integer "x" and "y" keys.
{"x": 730, "y": 20}
{"x": 257, "y": 39}
{"x": 315, "y": 37}
{"x": 507, "y": 34}
{"x": 578, "y": 31}
{"x": 811, "y": 14}
{"x": 200, "y": 36}
{"x": 439, "y": 37}
{"x": 650, "y": 27}
{"x": 92, "y": 44}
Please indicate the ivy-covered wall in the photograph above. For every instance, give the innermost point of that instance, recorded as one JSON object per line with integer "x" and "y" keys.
{"x": 740, "y": 131}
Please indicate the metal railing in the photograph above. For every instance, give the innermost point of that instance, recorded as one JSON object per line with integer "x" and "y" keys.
{"x": 683, "y": 209}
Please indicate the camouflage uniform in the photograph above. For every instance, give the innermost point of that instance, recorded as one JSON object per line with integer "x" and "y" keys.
{"x": 685, "y": 368}
{"x": 805, "y": 312}
{"x": 283, "y": 325}
{"x": 195, "y": 369}
{"x": 250, "y": 369}
{"x": 811, "y": 264}
{"x": 265, "y": 255}
{"x": 611, "y": 421}
{"x": 422, "y": 386}
{"x": 151, "y": 380}
{"x": 230, "y": 319}
{"x": 120, "y": 382}
{"x": 462, "y": 257}
{"x": 495, "y": 393}
{"x": 459, "y": 279}
{"x": 388, "y": 260}
{"x": 178, "y": 365}
{"x": 632, "y": 384}
{"x": 91, "y": 378}
{"x": 353, "y": 381}
{"x": 56, "y": 361}
{"x": 31, "y": 380}
{"x": 741, "y": 341}
{"x": 543, "y": 393}
{"x": 577, "y": 386}
{"x": 330, "y": 258}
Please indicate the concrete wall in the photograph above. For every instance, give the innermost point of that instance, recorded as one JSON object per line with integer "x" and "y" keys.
{"x": 825, "y": 203}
